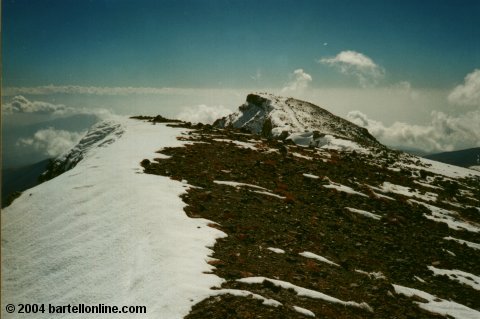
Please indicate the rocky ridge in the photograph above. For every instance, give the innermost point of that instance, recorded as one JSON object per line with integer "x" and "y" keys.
{"x": 327, "y": 231}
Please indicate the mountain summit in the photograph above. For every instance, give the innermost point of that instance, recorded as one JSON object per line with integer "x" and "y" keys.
{"x": 289, "y": 118}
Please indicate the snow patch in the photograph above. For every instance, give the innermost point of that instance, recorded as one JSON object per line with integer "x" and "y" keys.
{"x": 458, "y": 275}
{"x": 246, "y": 293}
{"x": 342, "y": 188}
{"x": 302, "y": 156}
{"x": 388, "y": 187}
{"x": 311, "y": 176}
{"x": 441, "y": 168}
{"x": 236, "y": 184}
{"x": 427, "y": 185}
{"x": 325, "y": 142}
{"x": 270, "y": 194}
{"x": 238, "y": 143}
{"x": 364, "y": 213}
{"x": 461, "y": 241}
{"x": 434, "y": 304}
{"x": 305, "y": 292}
{"x": 276, "y": 250}
{"x": 308, "y": 254}
{"x": 448, "y": 217}
{"x": 304, "y": 311}
{"x": 419, "y": 279}
{"x": 375, "y": 274}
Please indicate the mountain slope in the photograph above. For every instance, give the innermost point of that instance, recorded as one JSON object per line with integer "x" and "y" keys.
{"x": 464, "y": 158}
{"x": 329, "y": 233}
{"x": 220, "y": 223}
{"x": 103, "y": 232}
{"x": 274, "y": 116}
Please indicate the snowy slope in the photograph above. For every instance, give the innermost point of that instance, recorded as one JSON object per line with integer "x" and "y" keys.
{"x": 272, "y": 115}
{"x": 104, "y": 232}
{"x": 99, "y": 135}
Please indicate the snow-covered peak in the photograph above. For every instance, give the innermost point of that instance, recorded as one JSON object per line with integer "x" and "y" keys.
{"x": 276, "y": 116}
{"x": 99, "y": 135}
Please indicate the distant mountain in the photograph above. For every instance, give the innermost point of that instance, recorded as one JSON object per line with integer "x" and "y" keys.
{"x": 20, "y": 179}
{"x": 464, "y": 158}
{"x": 283, "y": 117}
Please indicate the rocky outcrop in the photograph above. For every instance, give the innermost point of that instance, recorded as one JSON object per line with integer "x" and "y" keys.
{"x": 275, "y": 116}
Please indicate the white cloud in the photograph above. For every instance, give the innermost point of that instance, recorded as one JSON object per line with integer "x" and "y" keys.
{"x": 443, "y": 133}
{"x": 20, "y": 104}
{"x": 299, "y": 81}
{"x": 51, "y": 142}
{"x": 356, "y": 64}
{"x": 203, "y": 114}
{"x": 468, "y": 93}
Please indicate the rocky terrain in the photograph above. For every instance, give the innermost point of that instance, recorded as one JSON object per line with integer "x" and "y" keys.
{"x": 328, "y": 232}
{"x": 280, "y": 117}
{"x": 320, "y": 219}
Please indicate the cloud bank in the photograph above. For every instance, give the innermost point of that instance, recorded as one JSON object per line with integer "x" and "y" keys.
{"x": 20, "y": 104}
{"x": 203, "y": 114}
{"x": 443, "y": 133}
{"x": 299, "y": 81}
{"x": 51, "y": 142}
{"x": 468, "y": 93}
{"x": 356, "y": 64}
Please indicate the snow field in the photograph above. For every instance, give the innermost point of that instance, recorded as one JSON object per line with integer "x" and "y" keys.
{"x": 105, "y": 233}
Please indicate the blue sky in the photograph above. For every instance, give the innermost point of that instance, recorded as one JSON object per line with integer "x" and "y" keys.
{"x": 408, "y": 71}
{"x": 214, "y": 44}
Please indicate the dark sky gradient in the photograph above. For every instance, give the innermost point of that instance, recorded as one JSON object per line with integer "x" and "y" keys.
{"x": 223, "y": 43}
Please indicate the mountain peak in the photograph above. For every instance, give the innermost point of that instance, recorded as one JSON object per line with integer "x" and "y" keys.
{"x": 286, "y": 117}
